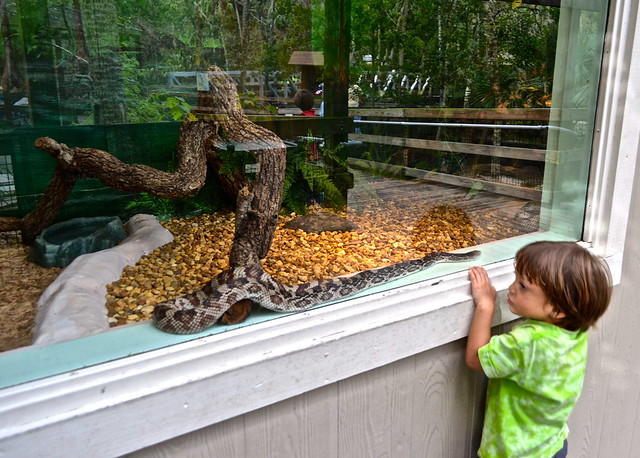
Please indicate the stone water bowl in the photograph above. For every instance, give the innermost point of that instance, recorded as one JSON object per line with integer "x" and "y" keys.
{"x": 59, "y": 244}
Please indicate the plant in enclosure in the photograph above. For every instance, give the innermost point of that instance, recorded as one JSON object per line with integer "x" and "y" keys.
{"x": 165, "y": 209}
{"x": 306, "y": 176}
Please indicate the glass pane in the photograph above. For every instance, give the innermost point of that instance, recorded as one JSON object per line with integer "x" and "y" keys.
{"x": 416, "y": 125}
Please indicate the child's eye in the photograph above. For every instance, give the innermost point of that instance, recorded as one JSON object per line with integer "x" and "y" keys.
{"x": 523, "y": 286}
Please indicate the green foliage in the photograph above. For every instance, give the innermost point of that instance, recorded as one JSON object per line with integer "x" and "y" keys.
{"x": 178, "y": 109}
{"x": 286, "y": 26}
{"x": 474, "y": 52}
{"x": 475, "y": 188}
{"x": 148, "y": 203}
{"x": 380, "y": 163}
{"x": 165, "y": 209}
{"x": 150, "y": 105}
{"x": 206, "y": 201}
{"x": 304, "y": 177}
{"x": 250, "y": 101}
{"x": 235, "y": 161}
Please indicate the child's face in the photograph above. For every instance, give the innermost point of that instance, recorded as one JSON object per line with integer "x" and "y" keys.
{"x": 528, "y": 300}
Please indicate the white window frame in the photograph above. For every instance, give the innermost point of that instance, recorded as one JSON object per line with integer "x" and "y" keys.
{"x": 175, "y": 390}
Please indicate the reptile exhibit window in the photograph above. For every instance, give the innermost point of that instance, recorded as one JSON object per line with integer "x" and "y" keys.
{"x": 474, "y": 134}
{"x": 477, "y": 132}
{"x": 422, "y": 149}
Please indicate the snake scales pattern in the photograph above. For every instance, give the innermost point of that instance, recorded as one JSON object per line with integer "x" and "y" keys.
{"x": 201, "y": 309}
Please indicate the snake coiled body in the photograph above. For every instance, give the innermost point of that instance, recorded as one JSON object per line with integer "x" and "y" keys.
{"x": 199, "y": 310}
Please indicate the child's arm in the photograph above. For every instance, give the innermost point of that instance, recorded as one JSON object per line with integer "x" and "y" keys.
{"x": 484, "y": 297}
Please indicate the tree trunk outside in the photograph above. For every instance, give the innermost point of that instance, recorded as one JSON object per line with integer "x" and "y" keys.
{"x": 100, "y": 22}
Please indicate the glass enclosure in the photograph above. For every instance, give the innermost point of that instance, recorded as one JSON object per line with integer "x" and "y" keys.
{"x": 422, "y": 125}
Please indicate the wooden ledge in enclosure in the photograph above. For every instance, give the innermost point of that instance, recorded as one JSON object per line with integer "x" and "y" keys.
{"x": 197, "y": 311}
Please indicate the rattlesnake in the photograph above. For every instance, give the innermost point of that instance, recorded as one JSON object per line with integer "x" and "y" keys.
{"x": 197, "y": 311}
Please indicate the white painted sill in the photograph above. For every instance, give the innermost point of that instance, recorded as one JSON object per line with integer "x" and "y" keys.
{"x": 178, "y": 389}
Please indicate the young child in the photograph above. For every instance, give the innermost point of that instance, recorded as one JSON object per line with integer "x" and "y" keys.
{"x": 536, "y": 371}
{"x": 304, "y": 100}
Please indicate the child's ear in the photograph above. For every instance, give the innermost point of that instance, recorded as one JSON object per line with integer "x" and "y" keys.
{"x": 558, "y": 315}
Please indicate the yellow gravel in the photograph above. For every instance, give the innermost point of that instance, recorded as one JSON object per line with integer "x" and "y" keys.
{"x": 201, "y": 247}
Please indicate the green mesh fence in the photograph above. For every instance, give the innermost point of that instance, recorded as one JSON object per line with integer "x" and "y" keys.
{"x": 8, "y": 201}
{"x": 26, "y": 171}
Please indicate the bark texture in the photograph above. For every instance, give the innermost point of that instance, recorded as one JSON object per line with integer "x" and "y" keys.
{"x": 220, "y": 127}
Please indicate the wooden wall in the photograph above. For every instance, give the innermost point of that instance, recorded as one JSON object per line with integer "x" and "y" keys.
{"x": 427, "y": 405}
{"x": 606, "y": 421}
{"x": 430, "y": 405}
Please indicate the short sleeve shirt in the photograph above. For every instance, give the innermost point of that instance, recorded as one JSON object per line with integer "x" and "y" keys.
{"x": 536, "y": 373}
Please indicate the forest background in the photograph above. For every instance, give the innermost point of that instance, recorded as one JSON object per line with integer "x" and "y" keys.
{"x": 444, "y": 53}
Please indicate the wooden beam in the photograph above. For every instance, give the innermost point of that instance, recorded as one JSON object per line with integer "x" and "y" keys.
{"x": 527, "y": 154}
{"x": 502, "y": 114}
{"x": 454, "y": 180}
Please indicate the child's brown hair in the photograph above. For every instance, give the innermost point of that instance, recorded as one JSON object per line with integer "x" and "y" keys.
{"x": 575, "y": 282}
{"x": 303, "y": 99}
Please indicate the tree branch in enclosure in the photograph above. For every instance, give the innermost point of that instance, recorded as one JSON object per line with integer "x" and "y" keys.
{"x": 220, "y": 123}
{"x": 184, "y": 182}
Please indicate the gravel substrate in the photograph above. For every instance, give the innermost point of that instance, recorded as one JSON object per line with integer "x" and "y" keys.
{"x": 201, "y": 246}
{"x": 403, "y": 225}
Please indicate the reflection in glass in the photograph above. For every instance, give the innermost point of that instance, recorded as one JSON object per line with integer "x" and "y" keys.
{"x": 439, "y": 125}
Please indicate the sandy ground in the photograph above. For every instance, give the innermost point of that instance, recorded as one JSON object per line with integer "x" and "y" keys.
{"x": 21, "y": 284}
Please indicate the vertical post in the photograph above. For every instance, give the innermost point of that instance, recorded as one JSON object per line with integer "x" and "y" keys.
{"x": 337, "y": 45}
{"x": 337, "y": 39}
{"x": 42, "y": 77}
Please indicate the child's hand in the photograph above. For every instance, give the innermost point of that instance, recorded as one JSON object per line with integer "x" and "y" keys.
{"x": 483, "y": 292}
{"x": 484, "y": 297}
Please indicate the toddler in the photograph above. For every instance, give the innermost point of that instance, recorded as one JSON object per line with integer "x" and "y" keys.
{"x": 304, "y": 100}
{"x": 536, "y": 371}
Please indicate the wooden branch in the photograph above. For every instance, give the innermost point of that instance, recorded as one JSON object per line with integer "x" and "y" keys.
{"x": 9, "y": 223}
{"x": 186, "y": 181}
{"x": 201, "y": 140}
{"x": 75, "y": 163}
{"x": 50, "y": 203}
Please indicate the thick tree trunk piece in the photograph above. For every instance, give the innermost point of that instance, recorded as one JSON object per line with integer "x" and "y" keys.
{"x": 50, "y": 203}
{"x": 257, "y": 210}
{"x": 258, "y": 202}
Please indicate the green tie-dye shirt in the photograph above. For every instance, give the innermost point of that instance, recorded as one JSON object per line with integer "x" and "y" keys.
{"x": 536, "y": 373}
